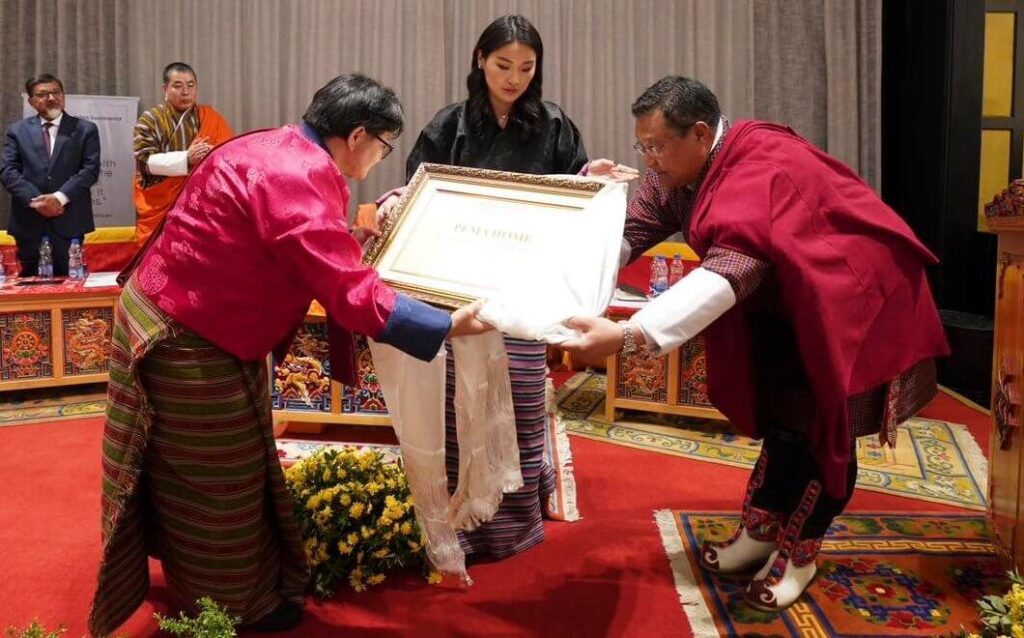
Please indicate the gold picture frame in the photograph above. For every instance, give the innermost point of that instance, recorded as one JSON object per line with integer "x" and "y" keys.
{"x": 457, "y": 233}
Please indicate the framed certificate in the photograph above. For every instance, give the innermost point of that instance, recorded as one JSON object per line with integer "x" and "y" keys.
{"x": 459, "y": 234}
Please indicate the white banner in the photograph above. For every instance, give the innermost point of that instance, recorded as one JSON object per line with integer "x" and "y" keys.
{"x": 115, "y": 117}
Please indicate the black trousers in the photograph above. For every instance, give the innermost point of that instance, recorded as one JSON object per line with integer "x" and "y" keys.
{"x": 789, "y": 469}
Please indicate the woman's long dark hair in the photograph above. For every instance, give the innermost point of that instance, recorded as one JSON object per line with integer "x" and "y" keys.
{"x": 528, "y": 111}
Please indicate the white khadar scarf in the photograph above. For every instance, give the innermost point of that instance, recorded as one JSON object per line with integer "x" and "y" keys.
{"x": 532, "y": 304}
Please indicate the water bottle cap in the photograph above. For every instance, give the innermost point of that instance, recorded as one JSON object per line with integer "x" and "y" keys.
{"x": 75, "y": 242}
{"x": 677, "y": 256}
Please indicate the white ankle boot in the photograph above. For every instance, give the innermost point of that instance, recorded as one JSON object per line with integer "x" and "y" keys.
{"x": 783, "y": 579}
{"x": 754, "y": 539}
{"x": 739, "y": 554}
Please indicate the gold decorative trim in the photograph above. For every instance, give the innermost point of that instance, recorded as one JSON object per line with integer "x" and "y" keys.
{"x": 567, "y": 185}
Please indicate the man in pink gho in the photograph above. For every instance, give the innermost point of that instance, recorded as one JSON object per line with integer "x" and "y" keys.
{"x": 190, "y": 469}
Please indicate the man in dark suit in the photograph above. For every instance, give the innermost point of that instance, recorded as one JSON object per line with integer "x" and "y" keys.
{"x": 49, "y": 163}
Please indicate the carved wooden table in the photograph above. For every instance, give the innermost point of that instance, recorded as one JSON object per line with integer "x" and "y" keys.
{"x": 303, "y": 394}
{"x": 54, "y": 334}
{"x": 1006, "y": 456}
{"x": 675, "y": 383}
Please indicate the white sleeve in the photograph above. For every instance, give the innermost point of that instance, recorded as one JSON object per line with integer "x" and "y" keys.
{"x": 169, "y": 164}
{"x": 684, "y": 310}
{"x": 62, "y": 198}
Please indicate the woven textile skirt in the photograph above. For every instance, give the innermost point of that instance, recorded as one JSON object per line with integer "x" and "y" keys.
{"x": 211, "y": 483}
{"x": 518, "y": 524}
{"x": 191, "y": 476}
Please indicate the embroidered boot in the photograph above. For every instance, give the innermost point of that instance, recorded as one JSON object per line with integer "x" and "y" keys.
{"x": 754, "y": 539}
{"x": 791, "y": 567}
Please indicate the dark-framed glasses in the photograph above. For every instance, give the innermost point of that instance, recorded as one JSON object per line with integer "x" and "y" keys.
{"x": 388, "y": 147}
{"x": 42, "y": 95}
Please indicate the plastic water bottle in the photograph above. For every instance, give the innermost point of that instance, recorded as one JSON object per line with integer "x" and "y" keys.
{"x": 76, "y": 269}
{"x": 45, "y": 258}
{"x": 675, "y": 270}
{"x": 659, "y": 276}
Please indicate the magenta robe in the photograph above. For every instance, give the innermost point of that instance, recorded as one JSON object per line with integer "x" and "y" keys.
{"x": 850, "y": 271}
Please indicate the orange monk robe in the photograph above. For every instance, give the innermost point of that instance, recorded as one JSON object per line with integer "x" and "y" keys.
{"x": 153, "y": 202}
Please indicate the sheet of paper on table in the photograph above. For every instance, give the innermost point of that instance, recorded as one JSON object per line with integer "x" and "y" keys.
{"x": 625, "y": 299}
{"x": 100, "y": 279}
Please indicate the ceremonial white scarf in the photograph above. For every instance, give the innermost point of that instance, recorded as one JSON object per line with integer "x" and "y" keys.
{"x": 578, "y": 281}
{"x": 532, "y": 304}
{"x": 486, "y": 426}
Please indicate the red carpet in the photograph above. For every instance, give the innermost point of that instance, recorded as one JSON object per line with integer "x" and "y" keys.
{"x": 606, "y": 575}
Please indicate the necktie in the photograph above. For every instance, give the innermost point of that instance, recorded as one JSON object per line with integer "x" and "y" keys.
{"x": 46, "y": 138}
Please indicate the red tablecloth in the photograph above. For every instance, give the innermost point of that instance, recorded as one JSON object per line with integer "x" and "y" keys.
{"x": 12, "y": 288}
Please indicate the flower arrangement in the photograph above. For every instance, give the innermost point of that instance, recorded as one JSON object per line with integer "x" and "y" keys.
{"x": 1002, "y": 615}
{"x": 355, "y": 513}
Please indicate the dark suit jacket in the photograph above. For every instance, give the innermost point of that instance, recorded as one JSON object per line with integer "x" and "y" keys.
{"x": 26, "y": 172}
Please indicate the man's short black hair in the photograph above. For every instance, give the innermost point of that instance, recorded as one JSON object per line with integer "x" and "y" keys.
{"x": 42, "y": 78}
{"x": 353, "y": 100}
{"x": 683, "y": 101}
{"x": 178, "y": 67}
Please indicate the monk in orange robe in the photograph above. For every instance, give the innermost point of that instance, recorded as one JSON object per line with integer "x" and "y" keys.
{"x": 169, "y": 141}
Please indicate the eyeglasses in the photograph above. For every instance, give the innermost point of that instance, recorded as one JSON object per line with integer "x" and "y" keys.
{"x": 42, "y": 95}
{"x": 654, "y": 150}
{"x": 388, "y": 147}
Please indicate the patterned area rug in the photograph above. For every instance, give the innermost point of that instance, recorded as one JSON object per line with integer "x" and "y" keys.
{"x": 878, "y": 575}
{"x": 933, "y": 461}
{"x": 53, "y": 404}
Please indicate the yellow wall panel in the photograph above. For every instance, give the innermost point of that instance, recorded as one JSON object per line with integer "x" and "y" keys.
{"x": 997, "y": 98}
{"x": 995, "y": 168}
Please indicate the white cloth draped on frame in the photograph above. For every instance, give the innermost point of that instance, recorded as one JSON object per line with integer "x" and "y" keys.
{"x": 532, "y": 304}
{"x": 578, "y": 281}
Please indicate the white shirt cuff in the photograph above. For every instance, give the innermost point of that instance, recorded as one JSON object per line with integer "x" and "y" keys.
{"x": 62, "y": 197}
{"x": 684, "y": 310}
{"x": 170, "y": 164}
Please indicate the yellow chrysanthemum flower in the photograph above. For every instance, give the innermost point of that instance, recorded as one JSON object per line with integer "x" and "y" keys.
{"x": 357, "y": 510}
{"x": 376, "y": 579}
{"x": 434, "y": 578}
{"x": 407, "y": 528}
